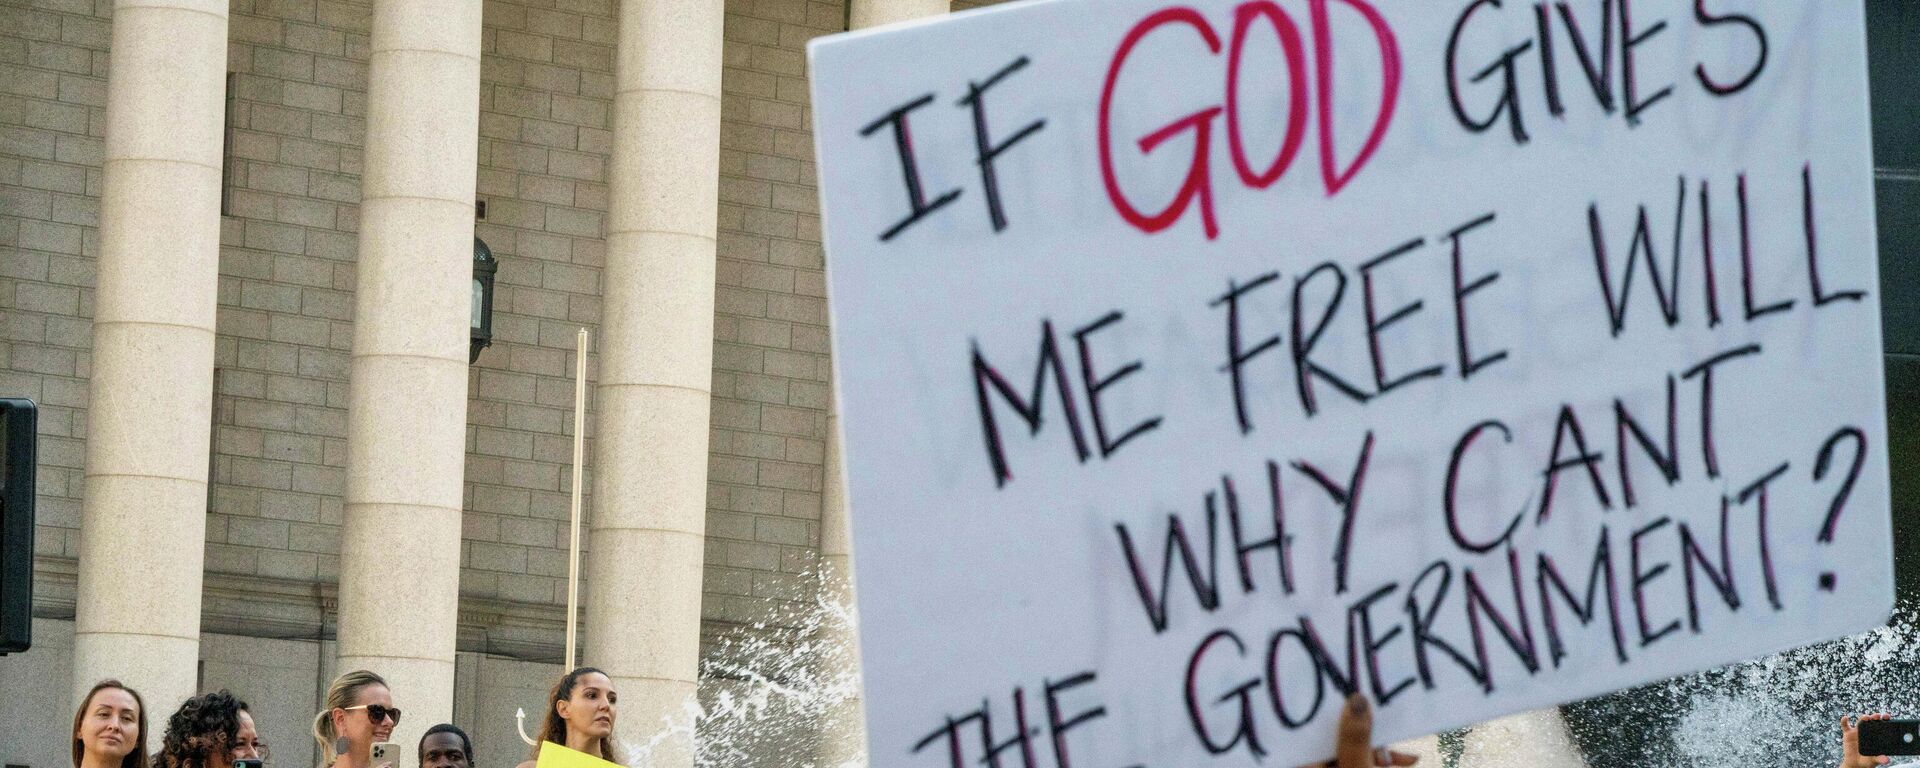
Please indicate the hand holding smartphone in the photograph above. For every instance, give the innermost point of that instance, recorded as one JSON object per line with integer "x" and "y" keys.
{"x": 1889, "y": 737}
{"x": 386, "y": 753}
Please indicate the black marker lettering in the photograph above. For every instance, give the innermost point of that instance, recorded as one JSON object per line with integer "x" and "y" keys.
{"x": 1704, "y": 370}
{"x": 1667, "y": 461}
{"x": 1461, "y": 289}
{"x": 1304, "y": 368}
{"x": 909, "y": 169}
{"x": 1630, "y": 40}
{"x": 1648, "y": 635}
{"x": 1451, "y": 506}
{"x": 1096, "y": 384}
{"x": 1708, "y": 19}
{"x": 1057, "y": 726}
{"x": 1206, "y": 586}
{"x": 1375, "y": 325}
{"x": 1759, "y": 488}
{"x": 1599, "y": 74}
{"x": 1030, "y": 408}
{"x": 988, "y": 150}
{"x": 1509, "y": 102}
{"x": 1349, "y": 500}
{"x": 1599, "y": 575}
{"x": 1237, "y": 354}
{"x": 1820, "y": 297}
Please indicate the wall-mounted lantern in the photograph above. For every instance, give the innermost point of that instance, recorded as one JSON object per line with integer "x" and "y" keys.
{"x": 484, "y": 267}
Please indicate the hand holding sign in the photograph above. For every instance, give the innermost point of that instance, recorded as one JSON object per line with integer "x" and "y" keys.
{"x": 1355, "y": 748}
{"x": 1158, "y": 450}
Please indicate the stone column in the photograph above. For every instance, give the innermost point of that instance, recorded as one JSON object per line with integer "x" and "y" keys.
{"x": 843, "y": 728}
{"x": 407, "y": 402}
{"x": 150, "y": 413}
{"x": 843, "y": 731}
{"x": 873, "y": 13}
{"x": 656, "y": 371}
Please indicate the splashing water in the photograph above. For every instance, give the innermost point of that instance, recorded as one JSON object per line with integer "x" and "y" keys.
{"x": 769, "y": 690}
{"x": 1784, "y": 710}
{"x": 1778, "y": 711}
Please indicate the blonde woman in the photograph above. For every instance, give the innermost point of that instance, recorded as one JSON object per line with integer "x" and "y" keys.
{"x": 580, "y": 712}
{"x": 359, "y": 712}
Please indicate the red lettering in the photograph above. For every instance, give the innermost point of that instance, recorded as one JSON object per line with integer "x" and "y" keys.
{"x": 1389, "y": 92}
{"x": 1295, "y": 51}
{"x": 1197, "y": 185}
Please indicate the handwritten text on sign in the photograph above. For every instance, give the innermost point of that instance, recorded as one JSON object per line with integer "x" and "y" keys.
{"x": 1200, "y": 364}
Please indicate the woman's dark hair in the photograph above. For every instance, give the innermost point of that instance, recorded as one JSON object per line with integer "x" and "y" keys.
{"x": 204, "y": 726}
{"x": 554, "y": 729}
{"x": 135, "y": 759}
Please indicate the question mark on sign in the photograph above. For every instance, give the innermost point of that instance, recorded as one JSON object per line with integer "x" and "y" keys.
{"x": 1820, "y": 466}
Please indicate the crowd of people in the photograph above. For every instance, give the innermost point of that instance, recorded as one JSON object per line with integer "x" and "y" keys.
{"x": 216, "y": 730}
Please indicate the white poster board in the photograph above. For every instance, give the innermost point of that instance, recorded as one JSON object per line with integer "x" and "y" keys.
{"x": 1199, "y": 362}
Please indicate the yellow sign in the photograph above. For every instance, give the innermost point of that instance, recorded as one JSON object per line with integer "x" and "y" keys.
{"x": 556, "y": 756}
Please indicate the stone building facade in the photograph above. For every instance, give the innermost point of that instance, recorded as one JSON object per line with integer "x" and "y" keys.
{"x": 295, "y": 125}
{"x": 294, "y": 131}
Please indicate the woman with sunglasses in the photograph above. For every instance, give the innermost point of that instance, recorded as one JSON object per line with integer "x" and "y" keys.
{"x": 110, "y": 730}
{"x": 580, "y": 713}
{"x": 359, "y": 712}
{"x": 212, "y": 730}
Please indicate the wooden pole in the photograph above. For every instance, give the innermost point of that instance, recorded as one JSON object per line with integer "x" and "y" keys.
{"x": 579, "y": 458}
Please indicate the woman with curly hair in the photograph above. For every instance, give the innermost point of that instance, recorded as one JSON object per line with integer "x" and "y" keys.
{"x": 110, "y": 730}
{"x": 580, "y": 713}
{"x": 211, "y": 730}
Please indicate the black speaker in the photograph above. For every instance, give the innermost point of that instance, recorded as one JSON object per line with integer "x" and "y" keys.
{"x": 18, "y": 419}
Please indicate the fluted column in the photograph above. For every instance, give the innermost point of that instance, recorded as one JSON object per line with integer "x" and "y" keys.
{"x": 407, "y": 404}
{"x": 656, "y": 371}
{"x": 149, "y": 417}
{"x": 843, "y": 731}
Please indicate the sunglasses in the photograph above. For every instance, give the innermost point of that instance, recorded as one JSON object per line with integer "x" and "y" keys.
{"x": 378, "y": 712}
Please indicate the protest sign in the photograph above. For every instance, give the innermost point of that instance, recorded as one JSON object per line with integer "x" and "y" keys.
{"x": 1201, "y": 363}
{"x": 559, "y": 756}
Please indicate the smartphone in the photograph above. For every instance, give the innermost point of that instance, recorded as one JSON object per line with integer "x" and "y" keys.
{"x": 249, "y": 762}
{"x": 1890, "y": 737}
{"x": 386, "y": 752}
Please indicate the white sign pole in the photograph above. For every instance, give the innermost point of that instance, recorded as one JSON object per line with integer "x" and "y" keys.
{"x": 579, "y": 462}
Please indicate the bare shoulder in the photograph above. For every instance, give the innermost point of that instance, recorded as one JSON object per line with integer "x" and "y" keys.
{"x": 527, "y": 764}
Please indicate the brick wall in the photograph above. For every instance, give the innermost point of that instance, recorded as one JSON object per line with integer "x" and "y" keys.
{"x": 296, "y": 103}
{"x": 546, "y": 89}
{"x": 296, "y": 128}
{"x": 53, "y": 92}
{"x": 295, "y": 121}
{"x": 770, "y": 335}
{"x": 287, "y": 275}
